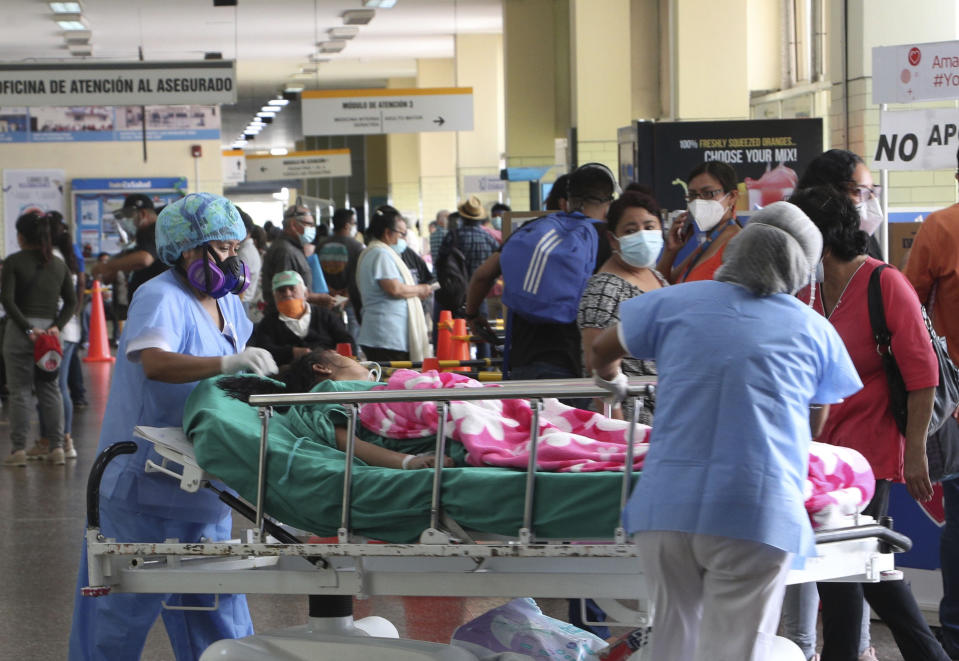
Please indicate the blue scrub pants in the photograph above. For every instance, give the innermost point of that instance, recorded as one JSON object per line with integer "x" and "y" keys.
{"x": 116, "y": 626}
{"x": 949, "y": 561}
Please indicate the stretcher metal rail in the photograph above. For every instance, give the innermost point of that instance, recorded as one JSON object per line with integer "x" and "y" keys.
{"x": 447, "y": 561}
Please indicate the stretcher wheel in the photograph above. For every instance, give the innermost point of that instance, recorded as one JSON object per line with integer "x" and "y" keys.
{"x": 95, "y": 591}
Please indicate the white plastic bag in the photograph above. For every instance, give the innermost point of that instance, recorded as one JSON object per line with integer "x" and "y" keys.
{"x": 519, "y": 631}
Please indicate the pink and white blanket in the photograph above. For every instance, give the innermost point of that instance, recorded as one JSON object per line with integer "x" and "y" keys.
{"x": 496, "y": 433}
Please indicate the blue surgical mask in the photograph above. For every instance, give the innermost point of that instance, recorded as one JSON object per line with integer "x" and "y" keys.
{"x": 497, "y": 222}
{"x": 641, "y": 249}
{"x": 400, "y": 246}
{"x": 309, "y": 234}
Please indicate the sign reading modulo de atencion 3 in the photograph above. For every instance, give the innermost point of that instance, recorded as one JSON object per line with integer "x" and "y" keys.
{"x": 371, "y": 111}
{"x": 207, "y": 82}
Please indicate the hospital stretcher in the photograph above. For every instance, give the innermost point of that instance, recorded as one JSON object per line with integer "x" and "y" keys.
{"x": 446, "y": 560}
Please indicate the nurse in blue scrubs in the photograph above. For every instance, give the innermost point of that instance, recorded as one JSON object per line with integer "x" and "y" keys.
{"x": 746, "y": 373}
{"x": 184, "y": 325}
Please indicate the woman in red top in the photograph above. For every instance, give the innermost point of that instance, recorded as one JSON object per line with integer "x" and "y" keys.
{"x": 865, "y": 422}
{"x": 711, "y": 193}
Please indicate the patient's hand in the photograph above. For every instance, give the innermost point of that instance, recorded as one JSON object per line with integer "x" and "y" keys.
{"x": 427, "y": 461}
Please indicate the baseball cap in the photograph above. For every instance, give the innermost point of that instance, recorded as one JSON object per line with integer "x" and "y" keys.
{"x": 286, "y": 279}
{"x": 134, "y": 202}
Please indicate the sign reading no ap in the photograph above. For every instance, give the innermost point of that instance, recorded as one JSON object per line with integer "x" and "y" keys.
{"x": 371, "y": 111}
{"x": 299, "y": 165}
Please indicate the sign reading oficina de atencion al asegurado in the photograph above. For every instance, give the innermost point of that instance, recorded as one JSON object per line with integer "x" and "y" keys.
{"x": 203, "y": 82}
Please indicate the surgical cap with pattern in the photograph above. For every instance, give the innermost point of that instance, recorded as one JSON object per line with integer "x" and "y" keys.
{"x": 776, "y": 253}
{"x": 193, "y": 221}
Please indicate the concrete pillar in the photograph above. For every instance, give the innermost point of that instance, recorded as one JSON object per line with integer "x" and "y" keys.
{"x": 403, "y": 162}
{"x": 479, "y": 64}
{"x": 601, "y": 56}
{"x": 437, "y": 150}
{"x": 712, "y": 72}
{"x": 536, "y": 51}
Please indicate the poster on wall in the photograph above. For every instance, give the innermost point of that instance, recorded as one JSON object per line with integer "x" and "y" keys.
{"x": 769, "y": 155}
{"x": 107, "y": 123}
{"x": 28, "y": 190}
{"x": 14, "y": 123}
{"x": 95, "y": 200}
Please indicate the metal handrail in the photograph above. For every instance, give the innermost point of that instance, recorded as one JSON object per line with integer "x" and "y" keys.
{"x": 561, "y": 388}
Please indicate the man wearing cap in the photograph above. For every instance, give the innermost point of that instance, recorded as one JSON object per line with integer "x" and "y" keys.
{"x": 475, "y": 243}
{"x": 137, "y": 218}
{"x": 286, "y": 254}
{"x": 294, "y": 327}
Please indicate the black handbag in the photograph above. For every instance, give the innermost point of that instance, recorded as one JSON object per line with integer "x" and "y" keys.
{"x": 942, "y": 446}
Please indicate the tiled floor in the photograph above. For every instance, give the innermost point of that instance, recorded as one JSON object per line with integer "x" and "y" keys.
{"x": 40, "y": 535}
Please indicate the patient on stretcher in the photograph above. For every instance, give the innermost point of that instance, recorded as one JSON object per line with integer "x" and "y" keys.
{"x": 496, "y": 432}
{"x": 316, "y": 367}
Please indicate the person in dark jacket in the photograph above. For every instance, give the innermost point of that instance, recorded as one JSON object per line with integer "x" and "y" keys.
{"x": 295, "y": 327}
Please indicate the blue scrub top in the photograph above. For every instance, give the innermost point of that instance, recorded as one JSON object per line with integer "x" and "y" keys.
{"x": 730, "y": 448}
{"x": 385, "y": 319}
{"x": 164, "y": 314}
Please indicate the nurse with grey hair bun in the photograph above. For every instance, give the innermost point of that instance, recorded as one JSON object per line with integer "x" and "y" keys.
{"x": 776, "y": 253}
{"x": 746, "y": 376}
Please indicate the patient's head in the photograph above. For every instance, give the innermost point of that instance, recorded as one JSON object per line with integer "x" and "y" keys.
{"x": 301, "y": 375}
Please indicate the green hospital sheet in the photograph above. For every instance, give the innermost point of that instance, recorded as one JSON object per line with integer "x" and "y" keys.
{"x": 305, "y": 477}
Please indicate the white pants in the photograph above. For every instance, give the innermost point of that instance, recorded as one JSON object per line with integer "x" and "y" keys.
{"x": 714, "y": 598}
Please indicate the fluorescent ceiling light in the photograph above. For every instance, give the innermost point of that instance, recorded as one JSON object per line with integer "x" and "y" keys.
{"x": 318, "y": 58}
{"x": 293, "y": 88}
{"x": 334, "y": 46}
{"x": 77, "y": 36}
{"x": 382, "y": 4}
{"x": 66, "y": 7}
{"x": 278, "y": 102}
{"x": 308, "y": 70}
{"x": 358, "y": 16}
{"x": 302, "y": 76}
{"x": 344, "y": 32}
{"x": 279, "y": 151}
{"x": 70, "y": 26}
{"x": 267, "y": 111}
{"x": 80, "y": 49}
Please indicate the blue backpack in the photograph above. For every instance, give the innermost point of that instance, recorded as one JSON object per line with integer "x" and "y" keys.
{"x": 546, "y": 264}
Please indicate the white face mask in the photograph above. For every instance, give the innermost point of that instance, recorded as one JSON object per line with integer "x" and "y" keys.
{"x": 870, "y": 216}
{"x": 706, "y": 213}
{"x": 641, "y": 249}
{"x": 819, "y": 275}
{"x": 353, "y": 230}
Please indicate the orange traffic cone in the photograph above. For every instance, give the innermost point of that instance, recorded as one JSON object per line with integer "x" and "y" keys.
{"x": 444, "y": 343}
{"x": 99, "y": 351}
{"x": 344, "y": 349}
{"x": 461, "y": 343}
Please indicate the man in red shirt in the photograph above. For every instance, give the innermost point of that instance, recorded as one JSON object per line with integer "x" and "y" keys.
{"x": 933, "y": 269}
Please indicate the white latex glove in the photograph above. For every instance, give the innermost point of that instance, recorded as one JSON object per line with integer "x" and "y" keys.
{"x": 617, "y": 387}
{"x": 252, "y": 359}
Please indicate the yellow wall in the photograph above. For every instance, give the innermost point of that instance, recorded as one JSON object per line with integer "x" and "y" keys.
{"x": 645, "y": 47}
{"x": 764, "y": 44}
{"x": 403, "y": 168}
{"x": 535, "y": 38}
{"x": 80, "y": 160}
{"x": 437, "y": 150}
{"x": 479, "y": 64}
{"x": 711, "y": 59}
